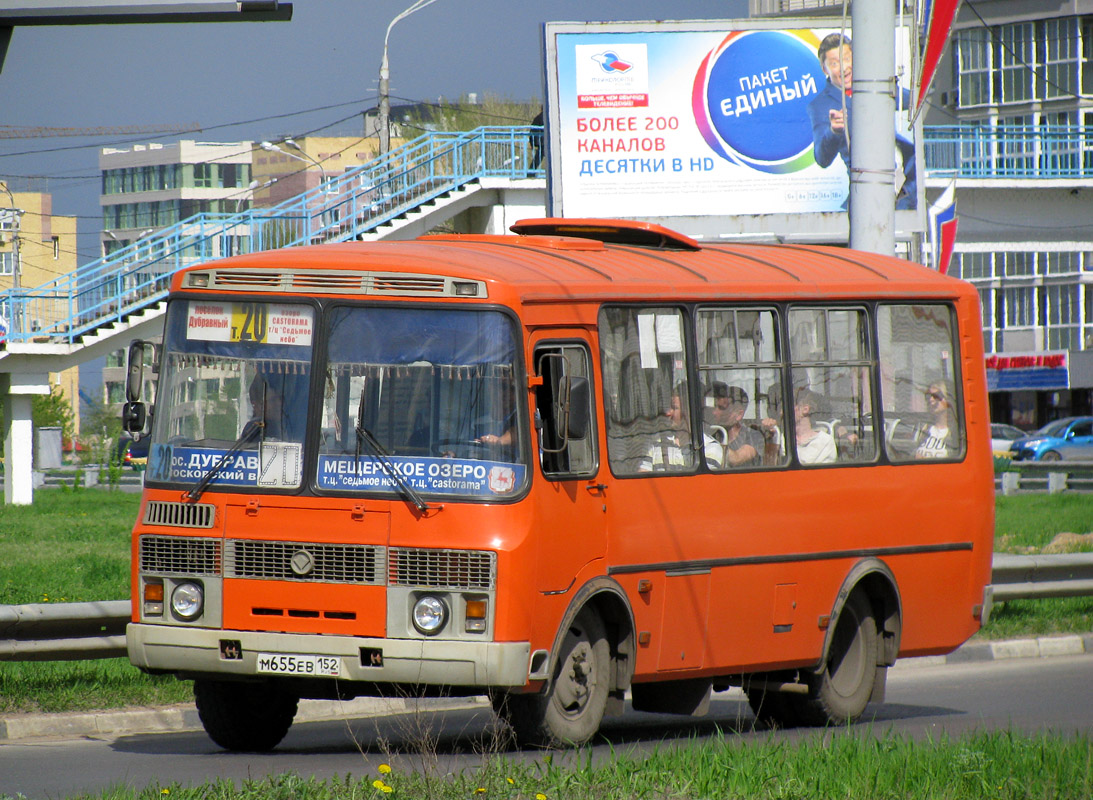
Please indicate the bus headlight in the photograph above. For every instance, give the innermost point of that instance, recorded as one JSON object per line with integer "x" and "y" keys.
{"x": 187, "y": 601}
{"x": 430, "y": 614}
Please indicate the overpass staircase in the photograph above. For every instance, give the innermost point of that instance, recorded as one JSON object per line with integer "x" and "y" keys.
{"x": 421, "y": 183}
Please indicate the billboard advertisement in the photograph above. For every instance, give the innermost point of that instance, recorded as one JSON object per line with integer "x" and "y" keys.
{"x": 666, "y": 120}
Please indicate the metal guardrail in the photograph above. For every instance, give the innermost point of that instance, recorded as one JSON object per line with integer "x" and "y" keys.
{"x": 63, "y": 631}
{"x": 74, "y": 631}
{"x": 345, "y": 207}
{"x": 1050, "y": 476}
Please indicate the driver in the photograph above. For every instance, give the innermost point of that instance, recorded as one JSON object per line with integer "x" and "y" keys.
{"x": 726, "y": 408}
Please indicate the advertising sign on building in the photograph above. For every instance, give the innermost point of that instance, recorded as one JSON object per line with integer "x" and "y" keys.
{"x": 1014, "y": 371}
{"x": 676, "y": 120}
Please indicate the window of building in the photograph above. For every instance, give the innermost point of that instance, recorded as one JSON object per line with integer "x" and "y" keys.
{"x": 972, "y": 266}
{"x": 919, "y": 382}
{"x": 1060, "y": 68}
{"x": 1019, "y": 264}
{"x": 56, "y": 240}
{"x": 1063, "y": 316}
{"x": 204, "y": 175}
{"x": 1019, "y": 303}
{"x": 1016, "y": 58}
{"x": 975, "y": 67}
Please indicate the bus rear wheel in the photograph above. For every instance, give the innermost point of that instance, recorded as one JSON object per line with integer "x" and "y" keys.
{"x": 246, "y": 717}
{"x": 840, "y": 691}
{"x": 571, "y": 708}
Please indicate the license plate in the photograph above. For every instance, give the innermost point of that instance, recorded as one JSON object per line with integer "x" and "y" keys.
{"x": 284, "y": 664}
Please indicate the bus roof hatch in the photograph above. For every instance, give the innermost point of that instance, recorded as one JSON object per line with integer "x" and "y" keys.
{"x": 609, "y": 231}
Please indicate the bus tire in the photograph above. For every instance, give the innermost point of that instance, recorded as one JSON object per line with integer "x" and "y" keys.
{"x": 840, "y": 690}
{"x": 245, "y": 717}
{"x": 572, "y": 706}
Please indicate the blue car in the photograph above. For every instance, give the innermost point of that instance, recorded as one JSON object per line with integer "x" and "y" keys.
{"x": 1069, "y": 438}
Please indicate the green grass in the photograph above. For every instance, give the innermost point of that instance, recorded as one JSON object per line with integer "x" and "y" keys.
{"x": 73, "y": 546}
{"x": 822, "y": 766}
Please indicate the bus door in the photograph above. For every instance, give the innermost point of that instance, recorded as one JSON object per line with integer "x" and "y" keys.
{"x": 571, "y": 503}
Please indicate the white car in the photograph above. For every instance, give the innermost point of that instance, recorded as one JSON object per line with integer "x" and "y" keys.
{"x": 1002, "y": 436}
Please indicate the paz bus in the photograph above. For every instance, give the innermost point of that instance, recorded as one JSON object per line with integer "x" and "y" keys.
{"x": 592, "y": 462}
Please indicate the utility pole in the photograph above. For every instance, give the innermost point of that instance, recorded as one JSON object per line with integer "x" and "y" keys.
{"x": 16, "y": 217}
{"x": 872, "y": 128}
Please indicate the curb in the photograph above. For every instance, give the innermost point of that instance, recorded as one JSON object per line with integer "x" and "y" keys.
{"x": 175, "y": 719}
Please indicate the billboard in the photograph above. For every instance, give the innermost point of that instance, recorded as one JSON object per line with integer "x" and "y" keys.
{"x": 714, "y": 127}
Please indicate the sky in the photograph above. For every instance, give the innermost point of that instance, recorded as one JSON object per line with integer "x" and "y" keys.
{"x": 312, "y": 75}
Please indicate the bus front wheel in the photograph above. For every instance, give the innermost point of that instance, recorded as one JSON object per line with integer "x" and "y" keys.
{"x": 245, "y": 717}
{"x": 571, "y": 708}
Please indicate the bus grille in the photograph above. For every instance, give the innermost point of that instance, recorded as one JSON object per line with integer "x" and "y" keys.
{"x": 179, "y": 515}
{"x": 179, "y": 555}
{"x": 441, "y": 569}
{"x": 299, "y": 561}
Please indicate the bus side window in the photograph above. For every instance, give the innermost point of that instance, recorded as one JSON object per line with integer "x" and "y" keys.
{"x": 831, "y": 362}
{"x": 740, "y": 369}
{"x": 647, "y": 395}
{"x": 564, "y": 410}
{"x": 919, "y": 382}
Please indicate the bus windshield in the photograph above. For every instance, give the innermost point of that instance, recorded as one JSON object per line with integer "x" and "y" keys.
{"x": 233, "y": 396}
{"x": 431, "y": 393}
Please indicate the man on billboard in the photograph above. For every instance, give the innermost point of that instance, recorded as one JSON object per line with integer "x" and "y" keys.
{"x": 829, "y": 112}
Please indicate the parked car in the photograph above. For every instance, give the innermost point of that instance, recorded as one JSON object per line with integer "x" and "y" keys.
{"x": 1002, "y": 436}
{"x": 1069, "y": 438}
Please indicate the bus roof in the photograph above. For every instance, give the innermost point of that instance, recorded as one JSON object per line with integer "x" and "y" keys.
{"x": 593, "y": 260}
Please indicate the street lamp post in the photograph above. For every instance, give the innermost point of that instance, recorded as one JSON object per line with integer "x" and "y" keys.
{"x": 309, "y": 160}
{"x": 385, "y": 75}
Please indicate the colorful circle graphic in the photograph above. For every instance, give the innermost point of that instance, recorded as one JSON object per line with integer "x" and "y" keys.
{"x": 750, "y": 99}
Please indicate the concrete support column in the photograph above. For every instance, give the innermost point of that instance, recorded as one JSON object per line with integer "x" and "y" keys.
{"x": 18, "y": 389}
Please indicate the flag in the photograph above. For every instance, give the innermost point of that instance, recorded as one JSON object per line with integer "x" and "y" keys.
{"x": 942, "y": 230}
{"x": 937, "y": 27}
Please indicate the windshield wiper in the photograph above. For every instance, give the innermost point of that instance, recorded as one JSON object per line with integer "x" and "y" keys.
{"x": 365, "y": 435}
{"x": 249, "y": 432}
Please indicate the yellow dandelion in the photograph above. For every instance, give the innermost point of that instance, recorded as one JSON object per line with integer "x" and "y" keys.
{"x": 511, "y": 781}
{"x": 540, "y": 796}
{"x": 164, "y": 791}
{"x": 384, "y": 769}
{"x": 386, "y": 789}
{"x": 480, "y": 790}
{"x": 378, "y": 784}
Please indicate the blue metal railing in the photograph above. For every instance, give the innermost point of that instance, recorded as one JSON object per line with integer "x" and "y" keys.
{"x": 361, "y": 200}
{"x": 1027, "y": 152}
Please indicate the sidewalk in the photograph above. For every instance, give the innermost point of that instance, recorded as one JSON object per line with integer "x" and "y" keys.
{"x": 184, "y": 717}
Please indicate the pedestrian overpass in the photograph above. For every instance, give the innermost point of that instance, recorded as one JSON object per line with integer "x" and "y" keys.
{"x": 481, "y": 181}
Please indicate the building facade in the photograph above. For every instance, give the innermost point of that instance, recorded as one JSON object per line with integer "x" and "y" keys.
{"x": 152, "y": 186}
{"x": 37, "y": 246}
{"x": 1011, "y": 122}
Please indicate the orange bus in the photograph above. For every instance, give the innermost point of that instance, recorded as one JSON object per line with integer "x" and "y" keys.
{"x": 589, "y": 461}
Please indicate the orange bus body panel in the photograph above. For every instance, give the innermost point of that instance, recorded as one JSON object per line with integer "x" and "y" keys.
{"x": 768, "y": 551}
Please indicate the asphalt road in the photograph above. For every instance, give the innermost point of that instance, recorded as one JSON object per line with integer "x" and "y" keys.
{"x": 1022, "y": 694}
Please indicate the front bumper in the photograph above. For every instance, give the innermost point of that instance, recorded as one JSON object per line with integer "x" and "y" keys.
{"x": 404, "y": 661}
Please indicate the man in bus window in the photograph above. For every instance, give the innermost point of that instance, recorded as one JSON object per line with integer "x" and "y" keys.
{"x": 266, "y": 410}
{"x": 727, "y": 406}
{"x": 814, "y": 445}
{"x": 673, "y": 450}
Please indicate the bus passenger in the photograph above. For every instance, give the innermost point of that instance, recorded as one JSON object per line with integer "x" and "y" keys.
{"x": 266, "y": 408}
{"x": 743, "y": 445}
{"x": 939, "y": 441}
{"x": 673, "y": 449}
{"x": 814, "y": 446}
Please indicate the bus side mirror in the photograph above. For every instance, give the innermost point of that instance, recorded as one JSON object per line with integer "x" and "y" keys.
{"x": 134, "y": 370}
{"x": 133, "y": 417}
